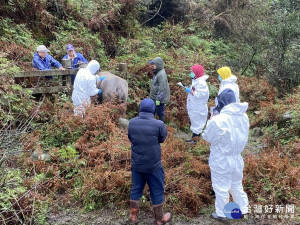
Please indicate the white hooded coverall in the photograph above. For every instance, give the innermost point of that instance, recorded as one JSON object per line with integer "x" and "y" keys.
{"x": 197, "y": 104}
{"x": 228, "y": 134}
{"x": 231, "y": 84}
{"x": 85, "y": 87}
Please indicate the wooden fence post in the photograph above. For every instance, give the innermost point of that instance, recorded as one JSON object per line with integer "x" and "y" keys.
{"x": 123, "y": 70}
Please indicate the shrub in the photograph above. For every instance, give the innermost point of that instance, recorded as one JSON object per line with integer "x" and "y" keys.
{"x": 271, "y": 178}
{"x": 16, "y": 105}
{"x": 81, "y": 38}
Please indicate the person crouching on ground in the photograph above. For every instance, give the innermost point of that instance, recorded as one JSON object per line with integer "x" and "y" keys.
{"x": 85, "y": 87}
{"x": 146, "y": 133}
{"x": 197, "y": 98}
{"x": 227, "y": 132}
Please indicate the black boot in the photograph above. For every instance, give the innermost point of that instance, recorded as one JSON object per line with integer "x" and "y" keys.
{"x": 195, "y": 135}
{"x": 191, "y": 140}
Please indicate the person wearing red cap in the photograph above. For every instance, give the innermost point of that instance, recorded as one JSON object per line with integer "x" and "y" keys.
{"x": 197, "y": 98}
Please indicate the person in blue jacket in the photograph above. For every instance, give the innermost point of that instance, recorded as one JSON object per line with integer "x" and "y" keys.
{"x": 146, "y": 133}
{"x": 76, "y": 59}
{"x": 43, "y": 61}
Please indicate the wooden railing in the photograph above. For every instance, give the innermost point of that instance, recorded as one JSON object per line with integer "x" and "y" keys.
{"x": 63, "y": 83}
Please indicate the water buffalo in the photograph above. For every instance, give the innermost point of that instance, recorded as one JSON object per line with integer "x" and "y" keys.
{"x": 113, "y": 87}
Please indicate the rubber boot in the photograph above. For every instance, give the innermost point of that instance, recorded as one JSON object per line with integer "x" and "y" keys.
{"x": 160, "y": 217}
{"x": 134, "y": 208}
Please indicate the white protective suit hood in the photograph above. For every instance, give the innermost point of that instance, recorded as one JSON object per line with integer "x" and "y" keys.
{"x": 204, "y": 77}
{"x": 93, "y": 66}
{"x": 231, "y": 79}
{"x": 231, "y": 84}
{"x": 235, "y": 108}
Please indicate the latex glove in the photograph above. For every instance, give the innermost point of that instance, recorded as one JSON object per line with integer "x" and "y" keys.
{"x": 102, "y": 78}
{"x": 188, "y": 90}
{"x": 157, "y": 102}
{"x": 99, "y": 92}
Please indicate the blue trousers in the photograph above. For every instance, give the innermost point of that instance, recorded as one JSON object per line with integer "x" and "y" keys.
{"x": 73, "y": 79}
{"x": 160, "y": 111}
{"x": 155, "y": 181}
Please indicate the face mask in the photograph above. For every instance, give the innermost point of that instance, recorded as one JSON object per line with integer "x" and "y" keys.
{"x": 154, "y": 70}
{"x": 220, "y": 79}
{"x": 192, "y": 75}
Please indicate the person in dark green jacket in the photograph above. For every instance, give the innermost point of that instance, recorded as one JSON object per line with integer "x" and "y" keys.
{"x": 160, "y": 91}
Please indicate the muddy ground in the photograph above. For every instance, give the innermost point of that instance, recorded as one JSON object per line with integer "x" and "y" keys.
{"x": 75, "y": 217}
{"x": 116, "y": 216}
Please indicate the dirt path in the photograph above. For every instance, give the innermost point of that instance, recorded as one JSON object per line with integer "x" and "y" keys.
{"x": 120, "y": 217}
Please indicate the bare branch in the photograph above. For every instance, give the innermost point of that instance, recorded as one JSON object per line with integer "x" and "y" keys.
{"x": 154, "y": 14}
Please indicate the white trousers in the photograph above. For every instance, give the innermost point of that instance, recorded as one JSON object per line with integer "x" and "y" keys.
{"x": 223, "y": 184}
{"x": 198, "y": 118}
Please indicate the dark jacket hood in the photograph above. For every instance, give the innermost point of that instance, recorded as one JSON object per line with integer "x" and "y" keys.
{"x": 147, "y": 105}
{"x": 159, "y": 63}
{"x": 225, "y": 98}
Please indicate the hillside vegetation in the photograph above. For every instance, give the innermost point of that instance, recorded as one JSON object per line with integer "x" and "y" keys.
{"x": 51, "y": 160}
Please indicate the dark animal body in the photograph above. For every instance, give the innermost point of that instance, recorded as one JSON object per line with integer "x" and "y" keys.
{"x": 113, "y": 87}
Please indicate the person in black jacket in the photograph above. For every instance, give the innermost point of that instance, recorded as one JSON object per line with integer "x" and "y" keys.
{"x": 146, "y": 133}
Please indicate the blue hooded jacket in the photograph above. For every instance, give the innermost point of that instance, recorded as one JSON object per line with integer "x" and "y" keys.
{"x": 224, "y": 98}
{"x": 78, "y": 57}
{"x": 45, "y": 64}
{"x": 146, "y": 133}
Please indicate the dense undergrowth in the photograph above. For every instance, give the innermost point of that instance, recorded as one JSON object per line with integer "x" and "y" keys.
{"x": 89, "y": 164}
{"x": 50, "y": 160}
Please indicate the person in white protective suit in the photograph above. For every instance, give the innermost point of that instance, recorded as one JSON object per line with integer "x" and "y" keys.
{"x": 85, "y": 87}
{"x": 228, "y": 80}
{"x": 197, "y": 98}
{"x": 227, "y": 132}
